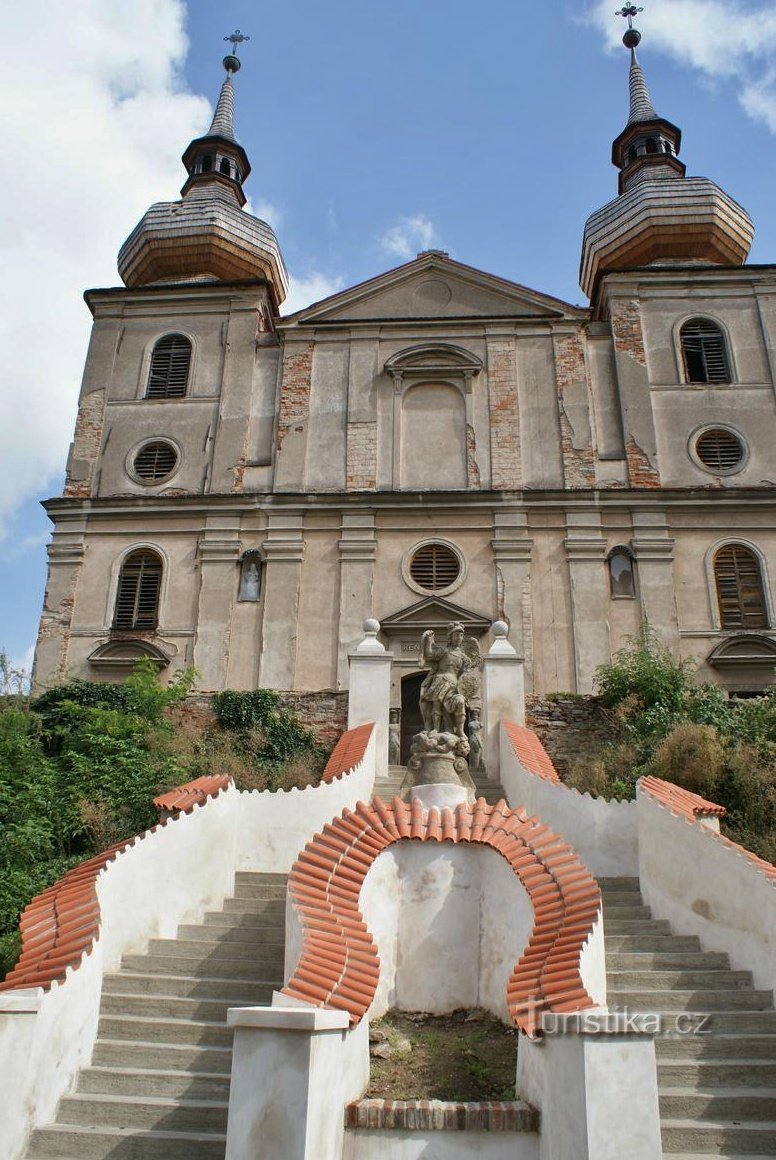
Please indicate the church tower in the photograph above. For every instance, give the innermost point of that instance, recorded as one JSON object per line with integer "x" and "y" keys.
{"x": 661, "y": 216}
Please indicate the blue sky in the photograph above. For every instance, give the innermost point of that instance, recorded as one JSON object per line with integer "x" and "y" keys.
{"x": 374, "y": 131}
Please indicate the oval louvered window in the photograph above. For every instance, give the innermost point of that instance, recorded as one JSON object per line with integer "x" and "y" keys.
{"x": 739, "y": 588}
{"x": 170, "y": 362}
{"x": 704, "y": 352}
{"x": 435, "y": 567}
{"x": 137, "y": 596}
{"x": 719, "y": 450}
{"x": 155, "y": 461}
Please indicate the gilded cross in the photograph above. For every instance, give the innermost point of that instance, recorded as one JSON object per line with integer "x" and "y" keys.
{"x": 236, "y": 38}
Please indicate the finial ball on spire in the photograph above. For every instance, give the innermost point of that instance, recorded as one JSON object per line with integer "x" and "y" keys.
{"x": 632, "y": 38}
{"x": 231, "y": 63}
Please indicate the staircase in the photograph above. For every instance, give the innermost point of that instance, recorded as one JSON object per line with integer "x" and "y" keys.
{"x": 158, "y": 1086}
{"x": 388, "y": 787}
{"x": 717, "y": 1090}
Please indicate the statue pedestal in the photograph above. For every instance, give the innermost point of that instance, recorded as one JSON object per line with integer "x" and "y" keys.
{"x": 443, "y": 795}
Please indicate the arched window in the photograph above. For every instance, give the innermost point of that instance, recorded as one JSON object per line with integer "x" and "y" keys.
{"x": 207, "y": 163}
{"x": 137, "y": 596}
{"x": 740, "y": 592}
{"x": 704, "y": 352}
{"x": 622, "y": 576}
{"x": 225, "y": 167}
{"x": 652, "y": 145}
{"x": 168, "y": 377}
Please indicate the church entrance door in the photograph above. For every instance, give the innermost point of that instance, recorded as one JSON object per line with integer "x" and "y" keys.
{"x": 411, "y": 720}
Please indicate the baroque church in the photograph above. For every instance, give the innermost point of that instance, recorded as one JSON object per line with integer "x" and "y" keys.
{"x": 436, "y": 444}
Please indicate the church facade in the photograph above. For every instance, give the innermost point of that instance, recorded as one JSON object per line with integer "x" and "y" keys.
{"x": 436, "y": 444}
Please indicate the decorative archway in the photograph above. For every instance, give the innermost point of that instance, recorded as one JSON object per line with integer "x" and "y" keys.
{"x": 339, "y": 965}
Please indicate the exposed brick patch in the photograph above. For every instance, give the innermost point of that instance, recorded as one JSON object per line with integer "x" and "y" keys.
{"x": 641, "y": 472}
{"x": 295, "y": 390}
{"x": 362, "y": 457}
{"x": 348, "y": 752}
{"x": 339, "y": 965}
{"x": 530, "y": 752}
{"x": 325, "y": 712}
{"x": 570, "y": 369}
{"x": 183, "y": 798}
{"x": 627, "y": 332}
{"x": 472, "y": 467}
{"x": 441, "y": 1116}
{"x": 87, "y": 442}
{"x": 506, "y": 471}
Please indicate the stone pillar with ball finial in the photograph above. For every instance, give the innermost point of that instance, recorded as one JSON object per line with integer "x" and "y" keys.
{"x": 369, "y": 695}
{"x": 503, "y": 693}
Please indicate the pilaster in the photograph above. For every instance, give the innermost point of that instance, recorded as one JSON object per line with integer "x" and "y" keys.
{"x": 284, "y": 552}
{"x": 653, "y": 548}
{"x": 585, "y": 551}
{"x": 357, "y": 551}
{"x": 218, "y": 552}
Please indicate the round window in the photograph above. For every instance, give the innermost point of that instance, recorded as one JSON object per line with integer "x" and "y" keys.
{"x": 155, "y": 461}
{"x": 720, "y": 450}
{"x": 435, "y": 567}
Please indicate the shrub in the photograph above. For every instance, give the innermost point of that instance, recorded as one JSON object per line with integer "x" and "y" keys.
{"x": 691, "y": 756}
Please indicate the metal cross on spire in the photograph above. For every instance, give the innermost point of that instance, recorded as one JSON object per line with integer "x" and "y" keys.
{"x": 238, "y": 38}
{"x": 629, "y": 11}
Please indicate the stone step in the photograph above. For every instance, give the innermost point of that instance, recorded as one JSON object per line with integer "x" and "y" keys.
{"x": 621, "y": 898}
{"x": 619, "y": 884}
{"x": 721, "y": 980}
{"x": 127, "y": 1081}
{"x": 150, "y": 1112}
{"x": 719, "y": 1104}
{"x": 755, "y": 1137}
{"x": 238, "y": 948}
{"x": 207, "y": 966}
{"x": 259, "y": 891}
{"x": 134, "y": 1027}
{"x": 250, "y": 934}
{"x": 258, "y": 876}
{"x": 246, "y": 919}
{"x": 631, "y": 912}
{"x": 735, "y": 999}
{"x": 172, "y": 1007}
{"x": 717, "y": 1073}
{"x": 728, "y": 1046}
{"x": 667, "y": 961}
{"x": 140, "y": 1054}
{"x": 184, "y": 987}
{"x": 651, "y": 944}
{"x": 652, "y": 927}
{"x": 69, "y": 1142}
{"x": 254, "y": 906}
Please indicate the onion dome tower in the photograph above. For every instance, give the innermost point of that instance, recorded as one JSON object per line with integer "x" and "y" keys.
{"x": 207, "y": 235}
{"x": 661, "y": 217}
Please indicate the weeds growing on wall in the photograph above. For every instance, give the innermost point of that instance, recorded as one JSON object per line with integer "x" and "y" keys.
{"x": 668, "y": 724}
{"x": 80, "y": 766}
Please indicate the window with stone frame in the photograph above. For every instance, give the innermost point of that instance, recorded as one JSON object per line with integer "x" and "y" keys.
{"x": 622, "y": 574}
{"x": 168, "y": 376}
{"x": 740, "y": 590}
{"x": 704, "y": 352}
{"x": 138, "y": 591}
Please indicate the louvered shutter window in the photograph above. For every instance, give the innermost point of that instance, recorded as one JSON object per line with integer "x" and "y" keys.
{"x": 704, "y": 352}
{"x": 739, "y": 588}
{"x": 719, "y": 450}
{"x": 170, "y": 362}
{"x": 435, "y": 567}
{"x": 155, "y": 461}
{"x": 137, "y": 598}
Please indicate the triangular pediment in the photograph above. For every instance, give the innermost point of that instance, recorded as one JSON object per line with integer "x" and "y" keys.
{"x": 434, "y": 286}
{"x": 433, "y": 612}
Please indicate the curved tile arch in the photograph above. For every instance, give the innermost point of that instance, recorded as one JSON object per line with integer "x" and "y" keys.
{"x": 339, "y": 965}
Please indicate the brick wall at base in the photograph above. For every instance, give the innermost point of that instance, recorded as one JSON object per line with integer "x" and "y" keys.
{"x": 325, "y": 712}
{"x": 569, "y": 727}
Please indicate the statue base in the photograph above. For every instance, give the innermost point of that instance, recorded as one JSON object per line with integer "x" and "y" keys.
{"x": 439, "y": 760}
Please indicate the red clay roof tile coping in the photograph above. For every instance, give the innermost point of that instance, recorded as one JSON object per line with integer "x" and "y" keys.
{"x": 184, "y": 797}
{"x": 61, "y": 924}
{"x": 339, "y": 964}
{"x": 348, "y": 752}
{"x": 684, "y": 804}
{"x": 530, "y": 752}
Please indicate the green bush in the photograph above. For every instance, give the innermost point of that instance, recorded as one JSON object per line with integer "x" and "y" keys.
{"x": 270, "y": 736}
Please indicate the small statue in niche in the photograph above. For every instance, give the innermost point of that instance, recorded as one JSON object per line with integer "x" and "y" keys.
{"x": 475, "y": 742}
{"x": 250, "y": 579}
{"x": 445, "y": 690}
{"x": 394, "y": 737}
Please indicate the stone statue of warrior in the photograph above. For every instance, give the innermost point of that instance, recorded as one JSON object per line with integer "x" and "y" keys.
{"x": 442, "y": 704}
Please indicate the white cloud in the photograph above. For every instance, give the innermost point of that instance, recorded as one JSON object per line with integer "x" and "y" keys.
{"x": 722, "y": 39}
{"x": 98, "y": 120}
{"x": 409, "y": 236}
{"x": 304, "y": 291}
